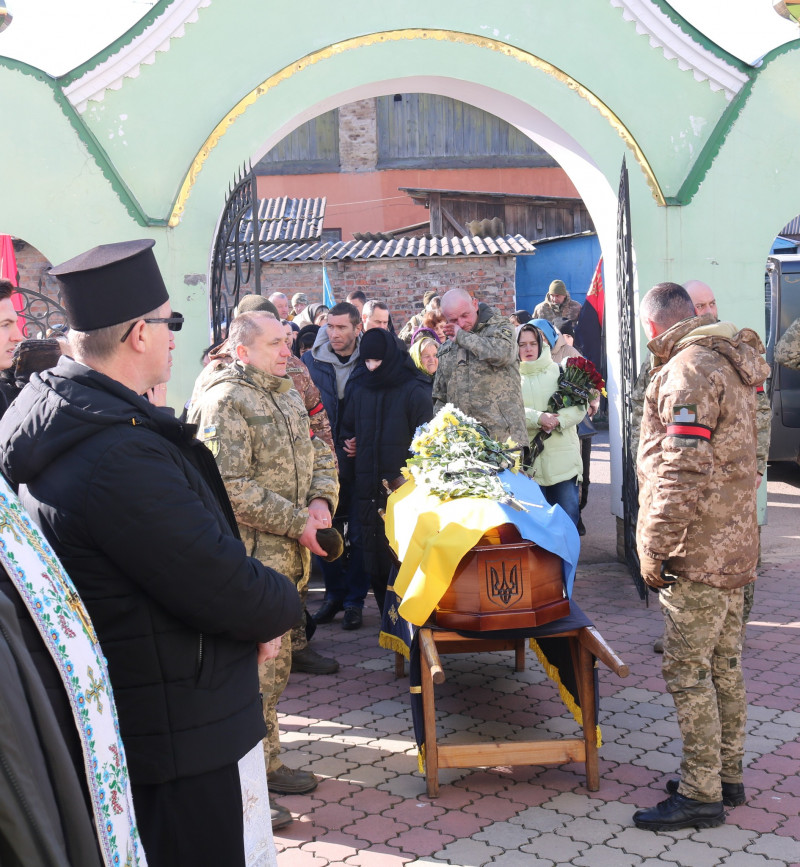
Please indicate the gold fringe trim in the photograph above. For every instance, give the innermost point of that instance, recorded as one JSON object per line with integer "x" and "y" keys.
{"x": 391, "y": 642}
{"x": 421, "y": 759}
{"x": 566, "y": 696}
{"x": 410, "y": 34}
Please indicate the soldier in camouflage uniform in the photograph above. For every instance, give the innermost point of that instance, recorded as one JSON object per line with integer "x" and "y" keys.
{"x": 557, "y": 304}
{"x": 479, "y": 369}
{"x": 705, "y": 303}
{"x": 697, "y": 540}
{"x": 304, "y": 658}
{"x": 787, "y": 349}
{"x": 281, "y": 480}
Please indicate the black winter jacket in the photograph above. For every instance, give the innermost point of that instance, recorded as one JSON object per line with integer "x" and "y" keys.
{"x": 136, "y": 510}
{"x": 391, "y": 403}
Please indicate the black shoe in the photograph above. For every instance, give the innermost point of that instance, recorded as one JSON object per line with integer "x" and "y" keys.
{"x": 581, "y": 528}
{"x": 352, "y": 618}
{"x": 279, "y": 815}
{"x": 309, "y": 661}
{"x": 732, "y": 793}
{"x": 680, "y": 812}
{"x": 327, "y": 611}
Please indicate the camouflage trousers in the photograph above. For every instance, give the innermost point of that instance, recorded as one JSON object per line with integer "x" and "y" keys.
{"x": 273, "y": 675}
{"x": 749, "y": 597}
{"x": 702, "y": 667}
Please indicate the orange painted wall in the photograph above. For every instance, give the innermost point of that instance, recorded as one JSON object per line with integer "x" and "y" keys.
{"x": 372, "y": 202}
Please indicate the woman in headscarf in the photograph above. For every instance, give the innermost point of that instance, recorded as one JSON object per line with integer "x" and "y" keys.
{"x": 424, "y": 352}
{"x": 393, "y": 400}
{"x": 314, "y": 314}
{"x": 558, "y": 469}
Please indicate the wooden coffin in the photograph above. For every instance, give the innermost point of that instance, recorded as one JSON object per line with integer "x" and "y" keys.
{"x": 511, "y": 585}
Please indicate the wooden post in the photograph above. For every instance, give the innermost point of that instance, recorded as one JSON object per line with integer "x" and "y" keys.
{"x": 519, "y": 655}
{"x": 584, "y": 670}
{"x": 431, "y": 668}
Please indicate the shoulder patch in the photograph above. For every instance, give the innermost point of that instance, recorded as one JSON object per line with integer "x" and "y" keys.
{"x": 210, "y": 439}
{"x": 684, "y": 413}
{"x": 684, "y": 423}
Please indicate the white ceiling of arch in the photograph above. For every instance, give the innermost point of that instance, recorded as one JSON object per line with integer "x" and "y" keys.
{"x": 58, "y": 36}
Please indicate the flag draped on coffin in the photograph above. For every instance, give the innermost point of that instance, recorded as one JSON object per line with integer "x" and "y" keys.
{"x": 327, "y": 292}
{"x": 589, "y": 328}
{"x": 8, "y": 271}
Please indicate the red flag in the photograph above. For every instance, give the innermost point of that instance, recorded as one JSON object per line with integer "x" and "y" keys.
{"x": 8, "y": 271}
{"x": 596, "y": 296}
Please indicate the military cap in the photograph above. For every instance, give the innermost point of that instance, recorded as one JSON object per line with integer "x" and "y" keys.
{"x": 299, "y": 298}
{"x": 557, "y": 287}
{"x": 251, "y": 303}
{"x": 111, "y": 284}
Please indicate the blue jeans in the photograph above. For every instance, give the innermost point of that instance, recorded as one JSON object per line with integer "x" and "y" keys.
{"x": 567, "y": 495}
{"x": 348, "y": 582}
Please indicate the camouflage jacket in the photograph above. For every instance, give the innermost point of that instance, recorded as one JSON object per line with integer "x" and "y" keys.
{"x": 479, "y": 373}
{"x": 551, "y": 312}
{"x": 697, "y": 454}
{"x": 410, "y": 327}
{"x": 787, "y": 349}
{"x": 271, "y": 463}
{"x": 301, "y": 379}
{"x": 763, "y": 416}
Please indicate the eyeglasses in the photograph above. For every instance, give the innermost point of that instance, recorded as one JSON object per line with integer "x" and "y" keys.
{"x": 174, "y": 323}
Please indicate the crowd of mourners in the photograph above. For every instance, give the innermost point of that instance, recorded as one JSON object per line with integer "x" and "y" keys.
{"x": 190, "y": 564}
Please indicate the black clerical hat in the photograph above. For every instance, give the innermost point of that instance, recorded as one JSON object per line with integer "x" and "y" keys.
{"x": 111, "y": 284}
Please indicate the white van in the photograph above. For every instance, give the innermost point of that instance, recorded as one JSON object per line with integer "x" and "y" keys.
{"x": 782, "y": 296}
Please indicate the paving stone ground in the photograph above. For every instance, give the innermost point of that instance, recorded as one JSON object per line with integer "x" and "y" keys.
{"x": 354, "y": 730}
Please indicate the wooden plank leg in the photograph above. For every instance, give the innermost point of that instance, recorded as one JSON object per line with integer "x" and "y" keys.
{"x": 429, "y": 719}
{"x": 584, "y": 670}
{"x": 399, "y": 665}
{"x": 519, "y": 655}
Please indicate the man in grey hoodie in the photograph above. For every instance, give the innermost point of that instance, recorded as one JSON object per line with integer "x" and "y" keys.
{"x": 333, "y": 363}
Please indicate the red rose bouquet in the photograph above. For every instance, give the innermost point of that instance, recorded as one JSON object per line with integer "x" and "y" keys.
{"x": 576, "y": 386}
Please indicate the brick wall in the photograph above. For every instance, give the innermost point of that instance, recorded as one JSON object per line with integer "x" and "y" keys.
{"x": 401, "y": 283}
{"x": 358, "y": 136}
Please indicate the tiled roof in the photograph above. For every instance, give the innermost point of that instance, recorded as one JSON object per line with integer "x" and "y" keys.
{"x": 284, "y": 219}
{"x": 400, "y": 248}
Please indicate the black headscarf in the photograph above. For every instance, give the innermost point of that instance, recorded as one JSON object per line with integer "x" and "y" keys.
{"x": 396, "y": 364}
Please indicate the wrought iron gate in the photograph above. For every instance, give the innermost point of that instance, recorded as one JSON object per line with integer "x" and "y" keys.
{"x": 42, "y": 313}
{"x": 236, "y": 263}
{"x": 628, "y": 372}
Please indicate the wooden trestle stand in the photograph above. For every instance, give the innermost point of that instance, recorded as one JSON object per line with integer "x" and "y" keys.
{"x": 505, "y": 586}
{"x": 585, "y": 644}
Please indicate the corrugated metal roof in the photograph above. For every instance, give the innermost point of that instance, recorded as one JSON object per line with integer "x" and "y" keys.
{"x": 285, "y": 219}
{"x": 569, "y": 237}
{"x": 792, "y": 228}
{"x": 400, "y": 248}
{"x": 425, "y": 192}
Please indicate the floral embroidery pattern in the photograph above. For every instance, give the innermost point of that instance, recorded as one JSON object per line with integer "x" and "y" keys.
{"x": 67, "y": 630}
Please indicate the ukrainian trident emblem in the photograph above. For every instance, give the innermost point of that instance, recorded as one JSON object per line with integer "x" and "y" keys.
{"x": 503, "y": 582}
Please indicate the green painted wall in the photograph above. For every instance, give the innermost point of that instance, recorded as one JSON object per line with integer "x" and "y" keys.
{"x": 74, "y": 181}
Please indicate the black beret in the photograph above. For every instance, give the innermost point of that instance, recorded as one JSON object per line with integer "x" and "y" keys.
{"x": 111, "y": 284}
